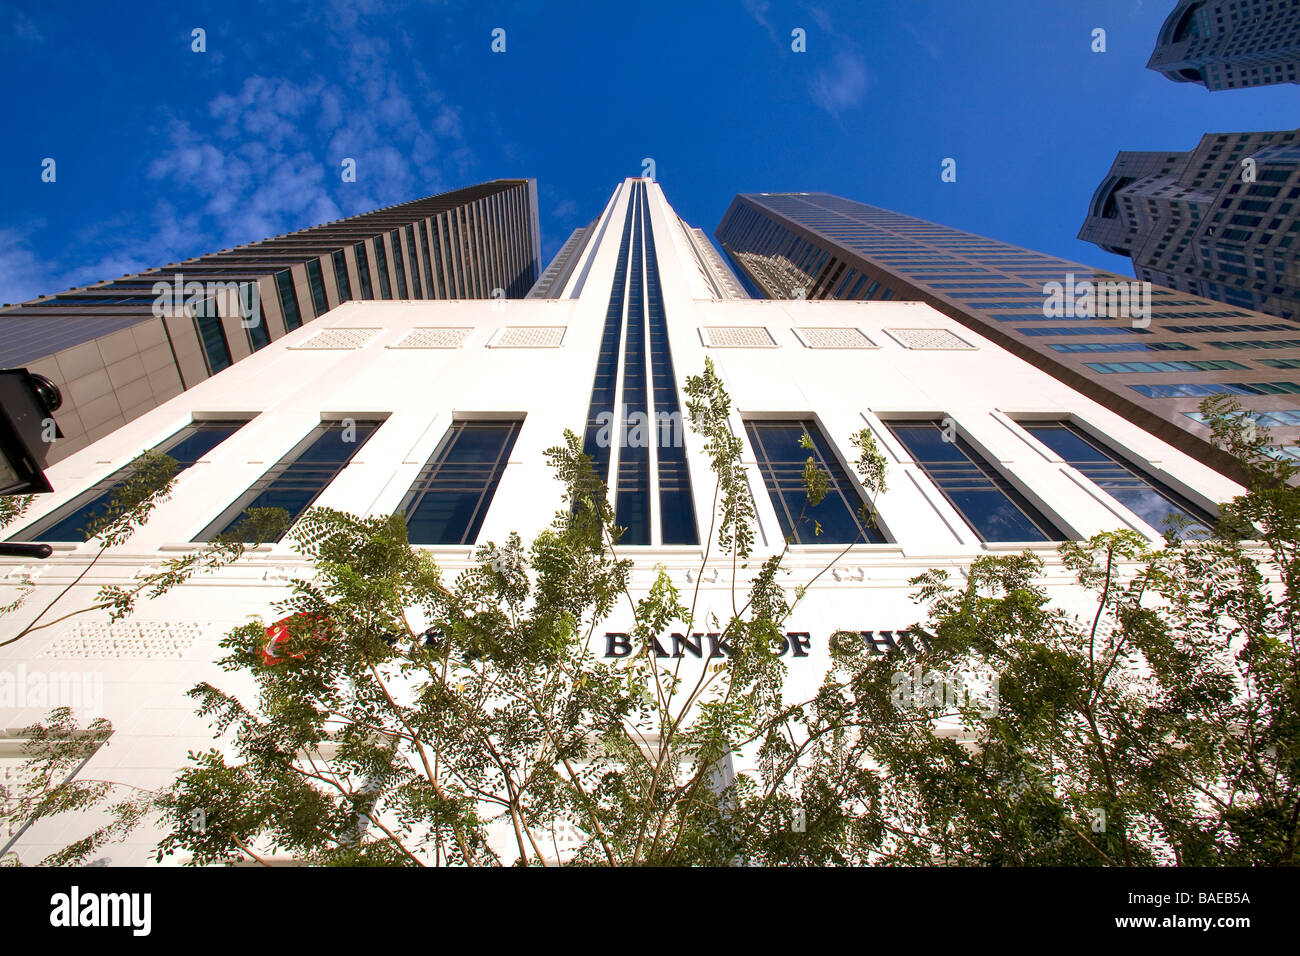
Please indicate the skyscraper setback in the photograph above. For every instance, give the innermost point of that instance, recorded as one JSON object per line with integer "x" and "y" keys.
{"x": 119, "y": 348}
{"x": 1221, "y": 221}
{"x": 1153, "y": 368}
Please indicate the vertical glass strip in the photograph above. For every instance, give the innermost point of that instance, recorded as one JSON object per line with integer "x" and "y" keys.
{"x": 632, "y": 500}
{"x": 676, "y": 503}
{"x": 600, "y": 414}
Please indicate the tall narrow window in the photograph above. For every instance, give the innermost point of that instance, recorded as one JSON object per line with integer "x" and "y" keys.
{"x": 779, "y": 448}
{"x": 341, "y": 281}
{"x": 453, "y": 491}
{"x": 456, "y": 282}
{"x": 436, "y": 288}
{"x": 316, "y": 282}
{"x": 216, "y": 350}
{"x": 254, "y": 321}
{"x": 299, "y": 478}
{"x": 413, "y": 263}
{"x": 632, "y": 496}
{"x": 69, "y": 522}
{"x": 381, "y": 266}
{"x": 676, "y": 504}
{"x": 288, "y": 300}
{"x": 988, "y": 502}
{"x": 399, "y": 265}
{"x": 600, "y": 431}
{"x": 363, "y": 270}
{"x": 1151, "y": 500}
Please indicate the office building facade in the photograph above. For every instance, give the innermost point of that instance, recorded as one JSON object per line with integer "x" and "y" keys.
{"x": 119, "y": 348}
{"x": 1230, "y": 44}
{"x": 1151, "y": 354}
{"x": 1221, "y": 221}
{"x": 451, "y": 405}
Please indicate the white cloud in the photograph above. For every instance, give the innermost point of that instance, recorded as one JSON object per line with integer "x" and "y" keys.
{"x": 841, "y": 85}
{"x": 264, "y": 158}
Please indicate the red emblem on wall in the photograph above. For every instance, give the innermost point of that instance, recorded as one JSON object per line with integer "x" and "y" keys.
{"x": 318, "y": 625}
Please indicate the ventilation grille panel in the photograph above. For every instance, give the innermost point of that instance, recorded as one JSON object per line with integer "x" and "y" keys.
{"x": 929, "y": 339}
{"x": 737, "y": 337}
{"x": 433, "y": 338}
{"x": 147, "y": 640}
{"x": 338, "y": 339}
{"x": 530, "y": 337}
{"x": 835, "y": 338}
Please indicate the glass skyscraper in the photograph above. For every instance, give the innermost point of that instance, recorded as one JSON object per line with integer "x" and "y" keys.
{"x": 1151, "y": 354}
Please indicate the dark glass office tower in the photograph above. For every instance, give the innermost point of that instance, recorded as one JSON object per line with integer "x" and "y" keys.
{"x": 117, "y": 349}
{"x": 1227, "y": 44}
{"x": 1149, "y": 353}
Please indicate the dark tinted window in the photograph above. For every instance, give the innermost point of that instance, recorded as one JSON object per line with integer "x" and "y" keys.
{"x": 216, "y": 350}
{"x": 1151, "y": 500}
{"x": 363, "y": 270}
{"x": 401, "y": 268}
{"x": 341, "y": 275}
{"x": 298, "y": 479}
{"x": 453, "y": 491}
{"x": 288, "y": 300}
{"x": 993, "y": 508}
{"x": 254, "y": 321}
{"x": 381, "y": 266}
{"x": 316, "y": 281}
{"x": 781, "y": 459}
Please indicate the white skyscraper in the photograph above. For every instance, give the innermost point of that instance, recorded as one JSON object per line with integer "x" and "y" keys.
{"x": 986, "y": 453}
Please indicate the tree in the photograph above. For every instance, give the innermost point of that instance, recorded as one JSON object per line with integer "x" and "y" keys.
{"x": 406, "y": 719}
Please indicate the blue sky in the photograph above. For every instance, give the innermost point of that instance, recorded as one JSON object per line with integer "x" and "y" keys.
{"x": 164, "y": 153}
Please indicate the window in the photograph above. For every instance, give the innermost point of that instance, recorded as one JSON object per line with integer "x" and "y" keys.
{"x": 298, "y": 479}
{"x": 381, "y": 266}
{"x": 454, "y": 489}
{"x": 288, "y": 300}
{"x": 258, "y": 337}
{"x": 363, "y": 270}
{"x": 1202, "y": 366}
{"x": 341, "y": 280}
{"x": 988, "y": 502}
{"x": 1149, "y": 499}
{"x": 1197, "y": 390}
{"x": 413, "y": 265}
{"x": 397, "y": 262}
{"x": 435, "y": 289}
{"x": 216, "y": 350}
{"x": 781, "y": 458}
{"x": 69, "y": 522}
{"x": 316, "y": 282}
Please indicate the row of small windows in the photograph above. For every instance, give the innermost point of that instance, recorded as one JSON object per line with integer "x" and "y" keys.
{"x": 1122, "y": 347}
{"x": 1179, "y": 366}
{"x": 1200, "y": 390}
{"x": 451, "y": 494}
